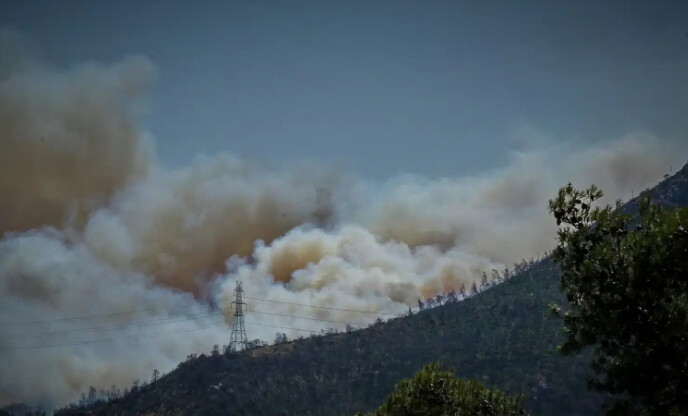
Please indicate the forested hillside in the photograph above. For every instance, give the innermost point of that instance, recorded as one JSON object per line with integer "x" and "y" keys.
{"x": 505, "y": 337}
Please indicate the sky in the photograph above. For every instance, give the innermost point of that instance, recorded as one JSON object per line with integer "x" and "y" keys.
{"x": 435, "y": 88}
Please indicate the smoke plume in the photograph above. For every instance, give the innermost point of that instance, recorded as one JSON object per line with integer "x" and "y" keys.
{"x": 111, "y": 265}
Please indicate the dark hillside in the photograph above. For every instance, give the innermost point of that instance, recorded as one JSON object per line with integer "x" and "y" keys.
{"x": 504, "y": 337}
{"x": 671, "y": 192}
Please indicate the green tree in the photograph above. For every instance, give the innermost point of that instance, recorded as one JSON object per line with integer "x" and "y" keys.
{"x": 280, "y": 338}
{"x": 626, "y": 279}
{"x": 435, "y": 391}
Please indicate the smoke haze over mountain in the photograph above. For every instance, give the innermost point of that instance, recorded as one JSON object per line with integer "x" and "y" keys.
{"x": 112, "y": 265}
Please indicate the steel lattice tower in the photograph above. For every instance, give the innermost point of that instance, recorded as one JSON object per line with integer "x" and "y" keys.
{"x": 238, "y": 339}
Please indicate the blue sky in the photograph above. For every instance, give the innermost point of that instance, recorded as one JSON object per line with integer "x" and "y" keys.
{"x": 438, "y": 88}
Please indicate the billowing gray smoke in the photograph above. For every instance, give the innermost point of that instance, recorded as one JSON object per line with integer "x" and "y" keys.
{"x": 108, "y": 261}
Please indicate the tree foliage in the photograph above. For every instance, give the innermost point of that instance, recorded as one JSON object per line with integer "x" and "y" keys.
{"x": 626, "y": 279}
{"x": 435, "y": 391}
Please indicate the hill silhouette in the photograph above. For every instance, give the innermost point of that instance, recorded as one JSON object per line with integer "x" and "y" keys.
{"x": 504, "y": 336}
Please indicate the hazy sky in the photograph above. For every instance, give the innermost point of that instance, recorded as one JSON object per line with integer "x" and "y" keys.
{"x": 430, "y": 87}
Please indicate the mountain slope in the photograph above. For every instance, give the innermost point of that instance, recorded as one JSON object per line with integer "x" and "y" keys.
{"x": 503, "y": 336}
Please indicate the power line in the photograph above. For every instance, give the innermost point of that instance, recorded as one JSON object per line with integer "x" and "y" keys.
{"x": 179, "y": 319}
{"x": 76, "y": 318}
{"x": 303, "y": 317}
{"x": 182, "y": 308}
{"x": 104, "y": 340}
{"x": 126, "y": 325}
{"x": 319, "y": 307}
{"x": 150, "y": 335}
{"x": 283, "y": 327}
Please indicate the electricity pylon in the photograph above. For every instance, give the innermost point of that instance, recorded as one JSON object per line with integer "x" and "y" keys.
{"x": 238, "y": 339}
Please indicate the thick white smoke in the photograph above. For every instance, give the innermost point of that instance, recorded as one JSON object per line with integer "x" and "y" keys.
{"x": 108, "y": 261}
{"x": 44, "y": 278}
{"x": 414, "y": 237}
